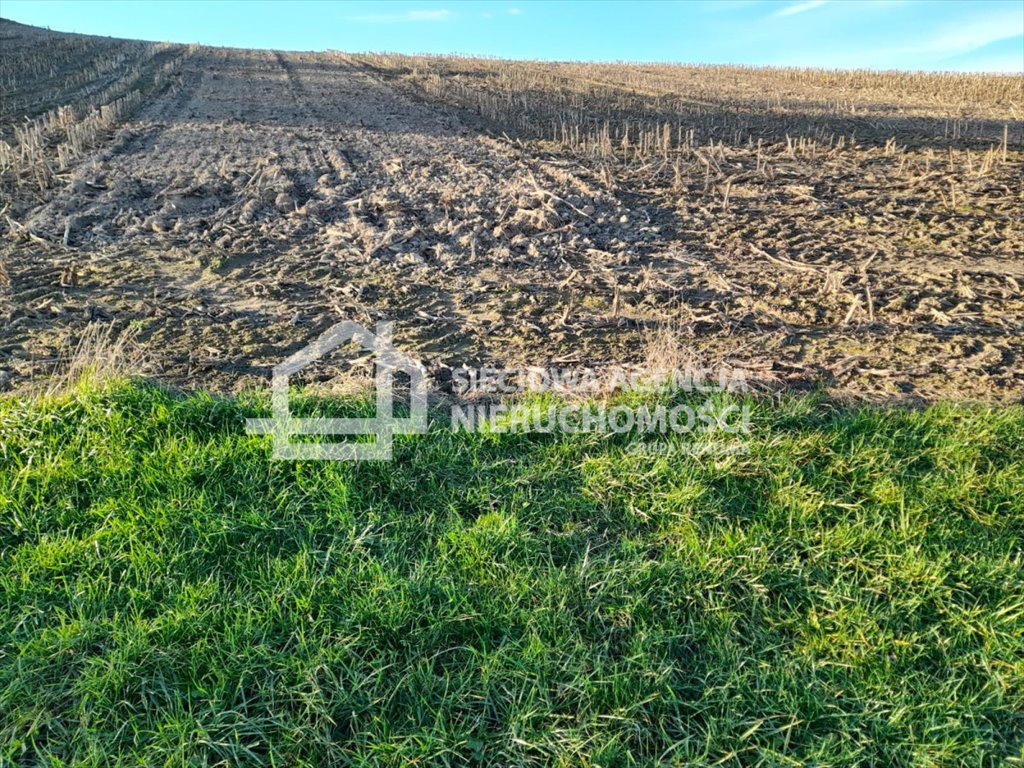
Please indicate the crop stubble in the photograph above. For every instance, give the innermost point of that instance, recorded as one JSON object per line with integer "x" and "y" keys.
{"x": 250, "y": 199}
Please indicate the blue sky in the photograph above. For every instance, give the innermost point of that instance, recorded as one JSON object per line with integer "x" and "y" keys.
{"x": 881, "y": 34}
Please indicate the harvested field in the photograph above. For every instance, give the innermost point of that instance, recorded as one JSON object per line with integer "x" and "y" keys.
{"x": 857, "y": 231}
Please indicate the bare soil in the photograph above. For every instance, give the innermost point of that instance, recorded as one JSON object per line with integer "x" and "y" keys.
{"x": 258, "y": 197}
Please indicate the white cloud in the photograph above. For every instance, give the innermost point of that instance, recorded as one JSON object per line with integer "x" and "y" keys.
{"x": 969, "y": 35}
{"x": 807, "y": 5}
{"x": 514, "y": 11}
{"x": 441, "y": 14}
{"x": 1009, "y": 63}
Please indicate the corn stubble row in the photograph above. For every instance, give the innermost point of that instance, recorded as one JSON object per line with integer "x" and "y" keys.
{"x": 96, "y": 97}
{"x": 636, "y": 110}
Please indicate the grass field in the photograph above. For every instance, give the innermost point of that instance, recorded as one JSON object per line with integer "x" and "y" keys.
{"x": 851, "y": 592}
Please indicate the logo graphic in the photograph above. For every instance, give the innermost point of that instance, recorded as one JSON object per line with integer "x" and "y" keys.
{"x": 382, "y": 427}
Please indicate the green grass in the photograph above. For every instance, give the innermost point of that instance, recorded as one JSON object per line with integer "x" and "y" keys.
{"x": 849, "y": 593}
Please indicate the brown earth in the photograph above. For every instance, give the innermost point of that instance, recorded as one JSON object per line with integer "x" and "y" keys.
{"x": 253, "y": 198}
